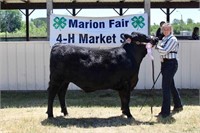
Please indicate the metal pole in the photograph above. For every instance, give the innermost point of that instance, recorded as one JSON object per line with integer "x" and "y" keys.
{"x": 168, "y": 15}
{"x": 147, "y": 7}
{"x": 73, "y": 12}
{"x": 181, "y": 21}
{"x": 27, "y": 25}
{"x": 49, "y": 5}
{"x": 121, "y": 11}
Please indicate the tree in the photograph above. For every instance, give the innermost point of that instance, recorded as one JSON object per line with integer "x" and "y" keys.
{"x": 10, "y": 20}
{"x": 39, "y": 22}
{"x": 38, "y": 27}
{"x": 189, "y": 21}
{"x": 176, "y": 21}
{"x": 154, "y": 28}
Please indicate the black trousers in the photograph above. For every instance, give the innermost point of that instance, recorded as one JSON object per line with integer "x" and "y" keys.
{"x": 168, "y": 69}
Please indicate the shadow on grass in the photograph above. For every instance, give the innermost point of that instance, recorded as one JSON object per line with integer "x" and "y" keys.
{"x": 115, "y": 121}
{"x": 168, "y": 120}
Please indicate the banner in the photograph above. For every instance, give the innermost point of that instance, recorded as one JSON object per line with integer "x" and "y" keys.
{"x": 90, "y": 31}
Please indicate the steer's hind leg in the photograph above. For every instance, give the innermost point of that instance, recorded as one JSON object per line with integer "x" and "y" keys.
{"x": 61, "y": 96}
{"x": 125, "y": 99}
{"x": 52, "y": 91}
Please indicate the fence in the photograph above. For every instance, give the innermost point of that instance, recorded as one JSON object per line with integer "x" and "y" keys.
{"x": 25, "y": 66}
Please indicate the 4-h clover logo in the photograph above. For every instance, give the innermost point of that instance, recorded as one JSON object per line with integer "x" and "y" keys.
{"x": 59, "y": 23}
{"x": 138, "y": 22}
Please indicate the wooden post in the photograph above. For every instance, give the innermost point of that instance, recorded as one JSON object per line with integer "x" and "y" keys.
{"x": 49, "y": 5}
{"x": 147, "y": 7}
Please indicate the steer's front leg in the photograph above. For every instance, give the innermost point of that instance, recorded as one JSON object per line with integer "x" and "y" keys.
{"x": 61, "y": 96}
{"x": 125, "y": 99}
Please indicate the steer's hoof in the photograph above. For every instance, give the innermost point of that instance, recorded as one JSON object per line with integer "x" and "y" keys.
{"x": 127, "y": 116}
{"x": 50, "y": 115}
{"x": 64, "y": 112}
{"x": 130, "y": 117}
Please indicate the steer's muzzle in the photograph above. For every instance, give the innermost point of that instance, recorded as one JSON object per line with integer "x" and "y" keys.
{"x": 154, "y": 40}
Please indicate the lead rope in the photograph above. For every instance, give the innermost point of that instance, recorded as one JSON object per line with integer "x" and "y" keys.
{"x": 151, "y": 90}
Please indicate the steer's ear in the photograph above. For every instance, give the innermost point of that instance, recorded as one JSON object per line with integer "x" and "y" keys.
{"x": 126, "y": 36}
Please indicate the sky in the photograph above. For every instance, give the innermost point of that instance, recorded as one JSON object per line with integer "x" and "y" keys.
{"x": 157, "y": 15}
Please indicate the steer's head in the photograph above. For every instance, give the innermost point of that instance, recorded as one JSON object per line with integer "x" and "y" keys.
{"x": 139, "y": 38}
{"x": 135, "y": 45}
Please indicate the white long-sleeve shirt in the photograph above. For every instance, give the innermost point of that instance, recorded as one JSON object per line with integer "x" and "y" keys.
{"x": 168, "y": 47}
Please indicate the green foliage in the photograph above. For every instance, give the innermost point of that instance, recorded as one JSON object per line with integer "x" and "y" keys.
{"x": 178, "y": 25}
{"x": 176, "y": 28}
{"x": 39, "y": 22}
{"x": 34, "y": 31}
{"x": 190, "y": 21}
{"x": 184, "y": 26}
{"x": 10, "y": 20}
{"x": 38, "y": 30}
{"x": 153, "y": 29}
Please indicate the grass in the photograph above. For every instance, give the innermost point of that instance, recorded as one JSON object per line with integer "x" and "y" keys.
{"x": 99, "y": 112}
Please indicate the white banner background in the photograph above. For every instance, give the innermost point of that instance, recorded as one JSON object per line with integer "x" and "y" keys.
{"x": 95, "y": 31}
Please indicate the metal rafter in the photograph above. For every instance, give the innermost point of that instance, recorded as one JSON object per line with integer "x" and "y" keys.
{"x": 70, "y": 4}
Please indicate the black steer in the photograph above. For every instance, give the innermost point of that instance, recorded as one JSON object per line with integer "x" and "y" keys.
{"x": 97, "y": 69}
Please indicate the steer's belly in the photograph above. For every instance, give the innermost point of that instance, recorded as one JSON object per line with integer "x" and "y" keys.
{"x": 98, "y": 80}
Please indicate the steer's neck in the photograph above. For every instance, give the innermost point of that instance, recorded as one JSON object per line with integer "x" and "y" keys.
{"x": 135, "y": 52}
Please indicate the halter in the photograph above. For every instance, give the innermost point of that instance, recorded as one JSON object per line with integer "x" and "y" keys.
{"x": 143, "y": 43}
{"x": 140, "y": 43}
{"x": 136, "y": 42}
